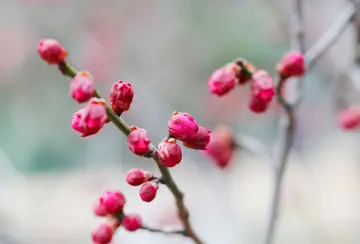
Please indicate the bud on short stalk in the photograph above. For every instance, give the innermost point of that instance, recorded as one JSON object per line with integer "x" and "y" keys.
{"x": 182, "y": 126}
{"x": 169, "y": 153}
{"x": 148, "y": 191}
{"x": 51, "y": 51}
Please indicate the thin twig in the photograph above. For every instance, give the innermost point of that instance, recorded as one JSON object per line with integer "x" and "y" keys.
{"x": 183, "y": 212}
{"x": 332, "y": 34}
{"x": 166, "y": 232}
{"x": 287, "y": 121}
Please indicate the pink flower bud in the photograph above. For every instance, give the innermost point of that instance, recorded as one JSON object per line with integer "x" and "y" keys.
{"x": 138, "y": 141}
{"x": 182, "y": 126}
{"x": 223, "y": 79}
{"x": 113, "y": 202}
{"x": 51, "y": 51}
{"x": 262, "y": 86}
{"x": 148, "y": 191}
{"x": 82, "y": 87}
{"x": 131, "y": 222}
{"x": 291, "y": 64}
{"x": 169, "y": 153}
{"x": 102, "y": 234}
{"x": 349, "y": 119}
{"x": 221, "y": 147}
{"x": 89, "y": 120}
{"x": 257, "y": 105}
{"x": 136, "y": 177}
{"x": 99, "y": 209}
{"x": 200, "y": 140}
{"x": 121, "y": 96}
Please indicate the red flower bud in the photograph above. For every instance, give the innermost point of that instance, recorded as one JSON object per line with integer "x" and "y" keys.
{"x": 113, "y": 202}
{"x": 102, "y": 234}
{"x": 138, "y": 141}
{"x": 182, "y": 126}
{"x": 136, "y": 177}
{"x": 89, "y": 120}
{"x": 99, "y": 209}
{"x": 82, "y": 87}
{"x": 148, "y": 191}
{"x": 169, "y": 153}
{"x": 121, "y": 96}
{"x": 51, "y": 51}
{"x": 292, "y": 64}
{"x": 131, "y": 222}
{"x": 221, "y": 147}
{"x": 200, "y": 140}
{"x": 257, "y": 105}
{"x": 349, "y": 119}
{"x": 223, "y": 79}
{"x": 262, "y": 86}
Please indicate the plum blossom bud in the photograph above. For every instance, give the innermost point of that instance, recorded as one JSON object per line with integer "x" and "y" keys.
{"x": 131, "y": 222}
{"x": 99, "y": 209}
{"x": 200, "y": 140}
{"x": 136, "y": 177}
{"x": 82, "y": 87}
{"x": 121, "y": 96}
{"x": 169, "y": 153}
{"x": 89, "y": 120}
{"x": 102, "y": 234}
{"x": 182, "y": 126}
{"x": 138, "y": 141}
{"x": 257, "y": 105}
{"x": 292, "y": 64}
{"x": 113, "y": 202}
{"x": 148, "y": 191}
{"x": 262, "y": 86}
{"x": 51, "y": 51}
{"x": 223, "y": 79}
{"x": 221, "y": 147}
{"x": 349, "y": 119}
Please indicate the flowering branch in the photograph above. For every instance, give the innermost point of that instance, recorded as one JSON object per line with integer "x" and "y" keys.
{"x": 166, "y": 179}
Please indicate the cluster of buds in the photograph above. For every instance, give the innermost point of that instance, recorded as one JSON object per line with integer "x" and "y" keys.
{"x": 220, "y": 145}
{"x": 149, "y": 184}
{"x": 241, "y": 72}
{"x": 182, "y": 127}
{"x": 111, "y": 205}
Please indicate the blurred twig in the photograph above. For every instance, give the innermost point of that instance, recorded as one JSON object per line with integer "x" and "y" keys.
{"x": 173, "y": 232}
{"x": 252, "y": 145}
{"x": 287, "y": 121}
{"x": 331, "y": 35}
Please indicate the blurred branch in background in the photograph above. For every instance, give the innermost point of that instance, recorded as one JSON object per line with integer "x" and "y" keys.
{"x": 287, "y": 123}
{"x": 331, "y": 35}
{"x": 252, "y": 145}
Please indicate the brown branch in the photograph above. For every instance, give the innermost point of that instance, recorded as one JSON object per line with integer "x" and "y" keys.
{"x": 287, "y": 121}
{"x": 167, "y": 179}
{"x": 172, "y": 232}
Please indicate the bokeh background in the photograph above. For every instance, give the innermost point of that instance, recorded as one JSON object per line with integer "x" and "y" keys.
{"x": 50, "y": 177}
